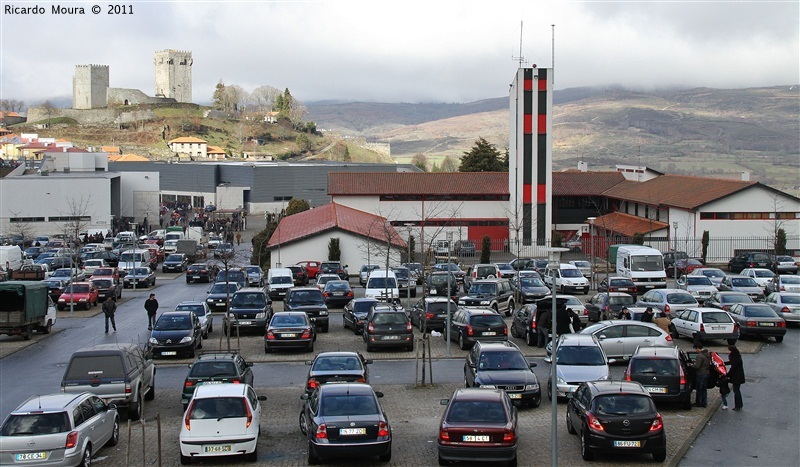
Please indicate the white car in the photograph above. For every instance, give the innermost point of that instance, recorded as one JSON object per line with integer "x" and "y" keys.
{"x": 91, "y": 264}
{"x": 584, "y": 266}
{"x": 706, "y": 323}
{"x": 221, "y": 420}
{"x": 700, "y": 287}
{"x": 760, "y": 275}
{"x": 619, "y": 338}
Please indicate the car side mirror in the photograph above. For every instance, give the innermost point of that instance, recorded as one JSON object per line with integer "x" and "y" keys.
{"x": 377, "y": 393}
{"x": 368, "y": 362}
{"x": 262, "y": 398}
{"x": 601, "y": 336}
{"x": 304, "y": 397}
{"x": 112, "y": 406}
{"x": 189, "y": 366}
{"x": 532, "y": 364}
{"x": 444, "y": 401}
{"x": 308, "y": 362}
{"x": 611, "y": 361}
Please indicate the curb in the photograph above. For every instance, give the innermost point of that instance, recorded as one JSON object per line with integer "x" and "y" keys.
{"x": 677, "y": 457}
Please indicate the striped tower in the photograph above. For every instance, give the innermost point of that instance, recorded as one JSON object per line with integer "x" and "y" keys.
{"x": 530, "y": 162}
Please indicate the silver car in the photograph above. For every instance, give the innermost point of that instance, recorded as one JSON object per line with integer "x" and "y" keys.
{"x": 743, "y": 284}
{"x": 203, "y": 313}
{"x": 716, "y": 275}
{"x": 786, "y": 305}
{"x": 58, "y": 429}
{"x": 670, "y": 301}
{"x": 255, "y": 276}
{"x": 620, "y": 338}
{"x": 700, "y": 287}
{"x": 579, "y": 358}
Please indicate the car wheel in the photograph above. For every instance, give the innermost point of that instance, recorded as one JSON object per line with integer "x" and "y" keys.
{"x": 529, "y": 339}
{"x": 733, "y": 341}
{"x": 510, "y": 308}
{"x": 778, "y": 338}
{"x": 660, "y": 456}
{"x": 442, "y": 461}
{"x": 253, "y": 456}
{"x": 302, "y": 423}
{"x": 136, "y": 408}
{"x": 312, "y": 458}
{"x": 514, "y": 332}
{"x": 586, "y": 454}
{"x": 114, "y": 433}
{"x": 325, "y": 329}
{"x": 185, "y": 460}
{"x": 461, "y": 342}
{"x": 310, "y": 347}
{"x": 267, "y": 349}
{"x": 86, "y": 459}
{"x": 191, "y": 352}
{"x": 570, "y": 428}
{"x": 549, "y": 392}
{"x": 151, "y": 393}
{"x": 495, "y": 309}
{"x": 88, "y": 305}
{"x": 386, "y": 457}
{"x": 210, "y": 327}
{"x": 370, "y": 348}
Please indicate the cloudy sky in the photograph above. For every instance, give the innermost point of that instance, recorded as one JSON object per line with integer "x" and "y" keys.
{"x": 404, "y": 51}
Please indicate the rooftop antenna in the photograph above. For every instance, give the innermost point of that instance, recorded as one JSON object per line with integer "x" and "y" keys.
{"x": 520, "y": 58}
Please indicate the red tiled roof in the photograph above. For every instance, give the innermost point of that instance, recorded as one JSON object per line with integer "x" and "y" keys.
{"x": 417, "y": 183}
{"x": 584, "y": 183}
{"x": 329, "y": 217}
{"x": 679, "y": 191}
{"x": 627, "y": 225}
{"x": 187, "y": 139}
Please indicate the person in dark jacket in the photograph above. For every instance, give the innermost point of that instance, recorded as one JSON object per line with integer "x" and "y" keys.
{"x": 576, "y": 320}
{"x": 701, "y": 365}
{"x": 736, "y": 375}
{"x": 647, "y": 317}
{"x": 543, "y": 325}
{"x": 109, "y": 308}
{"x": 563, "y": 320}
{"x": 151, "y": 305}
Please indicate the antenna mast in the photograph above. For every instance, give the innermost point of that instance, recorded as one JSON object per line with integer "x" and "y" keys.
{"x": 520, "y": 58}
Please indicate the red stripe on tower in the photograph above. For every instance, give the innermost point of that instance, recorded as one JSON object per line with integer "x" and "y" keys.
{"x": 527, "y": 127}
{"x": 542, "y": 83}
{"x": 541, "y": 193}
{"x": 527, "y": 192}
{"x": 542, "y": 124}
{"x": 527, "y": 85}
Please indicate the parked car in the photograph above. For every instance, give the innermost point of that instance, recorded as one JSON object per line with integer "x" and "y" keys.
{"x": 670, "y": 257}
{"x": 430, "y": 313}
{"x": 236, "y": 275}
{"x": 323, "y": 279}
{"x": 255, "y": 276}
{"x": 440, "y": 283}
{"x": 219, "y": 296}
{"x": 67, "y": 274}
{"x": 336, "y": 367}
{"x": 585, "y": 267}
{"x": 607, "y": 305}
{"x": 300, "y": 275}
{"x": 782, "y": 264}
{"x": 388, "y": 326}
{"x": 337, "y": 293}
{"x": 714, "y": 274}
{"x": 701, "y": 324}
{"x": 749, "y": 260}
{"x": 758, "y": 320}
{"x": 310, "y": 301}
{"x": 121, "y": 374}
{"x": 530, "y": 289}
{"x": 523, "y": 325}
{"x": 664, "y": 372}
{"x": 620, "y": 338}
{"x": 345, "y": 421}
{"x": 107, "y": 289}
{"x": 58, "y": 429}
{"x": 616, "y": 417}
{"x": 203, "y": 313}
{"x": 216, "y": 368}
{"x": 501, "y": 365}
{"x": 139, "y": 277}
{"x": 579, "y": 358}
{"x": 464, "y": 248}
{"x": 506, "y": 271}
{"x": 222, "y": 420}
{"x": 453, "y": 268}
{"x": 490, "y": 293}
{"x": 106, "y": 273}
{"x": 786, "y": 305}
{"x": 724, "y": 300}
{"x": 742, "y": 284}
{"x": 481, "y": 271}
{"x": 250, "y": 309}
{"x": 760, "y": 275}
{"x": 417, "y": 271}
{"x": 55, "y": 288}
{"x": 406, "y": 285}
{"x": 334, "y": 267}
{"x": 617, "y": 284}
{"x": 700, "y": 287}
{"x": 82, "y": 294}
{"x": 478, "y": 424}
{"x": 91, "y": 265}
{"x": 355, "y": 313}
{"x": 363, "y": 273}
{"x": 176, "y": 332}
{"x": 200, "y": 272}
{"x": 686, "y": 266}
{"x": 783, "y": 283}
{"x": 469, "y": 325}
{"x": 312, "y": 268}
{"x": 176, "y": 262}
{"x": 223, "y": 251}
{"x": 290, "y": 330}
{"x": 670, "y": 301}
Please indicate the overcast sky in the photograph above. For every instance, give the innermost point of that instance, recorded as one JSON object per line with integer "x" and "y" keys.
{"x": 405, "y": 51}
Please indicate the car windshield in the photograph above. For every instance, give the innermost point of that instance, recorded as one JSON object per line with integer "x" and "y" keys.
{"x": 620, "y": 282}
{"x": 35, "y": 424}
{"x": 218, "y": 408}
{"x": 401, "y": 273}
{"x": 78, "y": 288}
{"x": 175, "y": 258}
{"x": 141, "y": 272}
{"x": 504, "y": 266}
{"x": 253, "y": 270}
{"x": 390, "y": 318}
{"x": 363, "y": 306}
{"x": 173, "y": 323}
{"x": 654, "y": 366}
{"x": 762, "y": 311}
{"x": 488, "y": 320}
{"x": 212, "y": 369}
{"x": 476, "y": 412}
{"x": 572, "y": 302}
{"x": 647, "y": 263}
{"x": 579, "y": 355}
{"x": 483, "y": 289}
{"x": 620, "y": 300}
{"x": 306, "y": 297}
{"x": 346, "y": 405}
{"x": 698, "y": 280}
{"x": 494, "y": 361}
{"x": 286, "y": 321}
{"x": 764, "y": 273}
{"x": 442, "y": 279}
{"x": 681, "y": 299}
{"x": 221, "y": 288}
{"x": 582, "y": 264}
{"x": 531, "y": 282}
{"x": 248, "y": 300}
{"x": 736, "y": 298}
{"x": 623, "y": 404}
{"x": 720, "y": 317}
{"x": 571, "y": 273}
{"x": 281, "y": 280}
{"x": 713, "y": 273}
{"x": 335, "y": 363}
{"x": 743, "y": 282}
{"x": 382, "y": 283}
{"x": 790, "y": 299}
{"x": 54, "y": 284}
{"x": 103, "y": 283}
{"x": 198, "y": 310}
{"x": 337, "y": 286}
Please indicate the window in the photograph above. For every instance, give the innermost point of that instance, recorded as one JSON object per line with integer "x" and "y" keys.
{"x": 613, "y": 332}
{"x": 638, "y": 331}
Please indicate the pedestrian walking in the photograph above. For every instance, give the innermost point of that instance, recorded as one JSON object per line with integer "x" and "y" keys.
{"x": 701, "y": 365}
{"x": 109, "y": 308}
{"x": 736, "y": 375}
{"x": 543, "y": 325}
{"x": 724, "y": 390}
{"x": 151, "y": 305}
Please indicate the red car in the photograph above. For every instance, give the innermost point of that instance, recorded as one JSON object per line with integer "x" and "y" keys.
{"x": 103, "y": 273}
{"x": 80, "y": 293}
{"x": 686, "y": 266}
{"x": 312, "y": 268}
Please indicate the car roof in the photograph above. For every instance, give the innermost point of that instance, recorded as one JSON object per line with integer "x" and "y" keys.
{"x": 217, "y": 356}
{"x": 289, "y": 313}
{"x": 477, "y": 394}
{"x": 346, "y": 388}
{"x": 616, "y": 387}
{"x": 190, "y": 302}
{"x": 307, "y": 289}
{"x": 489, "y": 281}
{"x": 337, "y": 353}
{"x": 497, "y": 346}
{"x": 205, "y": 391}
{"x": 49, "y": 402}
{"x": 630, "y": 322}
{"x": 479, "y": 311}
{"x": 106, "y": 348}
{"x": 578, "y": 340}
{"x": 175, "y": 312}
{"x": 438, "y": 300}
{"x": 655, "y": 351}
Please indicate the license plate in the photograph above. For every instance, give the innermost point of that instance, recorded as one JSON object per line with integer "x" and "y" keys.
{"x": 390, "y": 338}
{"x": 766, "y": 324}
{"x": 30, "y": 456}
{"x": 352, "y": 431}
{"x": 476, "y": 438}
{"x": 289, "y": 334}
{"x": 656, "y": 389}
{"x": 222, "y": 448}
{"x": 489, "y": 333}
{"x": 169, "y": 352}
{"x": 624, "y": 289}
{"x": 196, "y": 277}
{"x": 245, "y": 323}
{"x": 209, "y": 382}
{"x": 717, "y": 328}
{"x": 515, "y": 396}
{"x": 627, "y": 444}
{"x": 338, "y": 294}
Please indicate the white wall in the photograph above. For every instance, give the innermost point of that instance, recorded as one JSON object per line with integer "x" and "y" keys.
{"x": 139, "y": 194}
{"x": 755, "y": 199}
{"x": 229, "y": 197}
{"x": 316, "y": 248}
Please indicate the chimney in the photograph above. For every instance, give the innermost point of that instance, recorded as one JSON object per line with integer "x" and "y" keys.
{"x": 746, "y": 176}
{"x": 583, "y": 166}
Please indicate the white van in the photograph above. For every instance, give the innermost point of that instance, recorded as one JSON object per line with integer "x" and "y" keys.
{"x": 130, "y": 259}
{"x": 643, "y": 265}
{"x": 279, "y": 281}
{"x": 10, "y": 257}
{"x": 567, "y": 277}
{"x": 125, "y": 237}
{"x": 382, "y": 285}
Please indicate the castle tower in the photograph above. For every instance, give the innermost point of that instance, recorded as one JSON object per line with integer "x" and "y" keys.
{"x": 174, "y": 74}
{"x": 89, "y": 86}
{"x": 530, "y": 161}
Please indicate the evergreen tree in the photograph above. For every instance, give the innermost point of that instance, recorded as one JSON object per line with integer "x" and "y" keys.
{"x": 297, "y": 205}
{"x": 486, "y": 249}
{"x": 219, "y": 96}
{"x": 334, "y": 252}
{"x": 483, "y": 157}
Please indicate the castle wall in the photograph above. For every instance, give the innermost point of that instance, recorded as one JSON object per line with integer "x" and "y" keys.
{"x": 122, "y": 96}
{"x": 89, "y": 85}
{"x": 173, "y": 73}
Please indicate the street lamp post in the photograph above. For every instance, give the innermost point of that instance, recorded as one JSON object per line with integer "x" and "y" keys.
{"x": 408, "y": 287}
{"x": 591, "y": 249}
{"x": 554, "y": 259}
{"x": 675, "y": 249}
{"x": 449, "y": 292}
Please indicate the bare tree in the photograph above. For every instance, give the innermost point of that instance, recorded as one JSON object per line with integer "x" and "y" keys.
{"x": 21, "y": 228}
{"x": 434, "y": 210}
{"x": 420, "y": 160}
{"x": 449, "y": 164}
{"x": 778, "y": 218}
{"x": 264, "y": 97}
{"x": 49, "y": 110}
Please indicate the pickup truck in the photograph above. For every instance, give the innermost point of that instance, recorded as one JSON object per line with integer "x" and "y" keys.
{"x": 31, "y": 272}
{"x": 25, "y": 307}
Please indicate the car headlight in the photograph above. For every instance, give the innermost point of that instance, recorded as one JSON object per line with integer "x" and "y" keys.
{"x": 153, "y": 341}
{"x": 210, "y": 300}
{"x": 462, "y": 302}
{"x": 186, "y": 339}
{"x": 532, "y": 387}
{"x": 81, "y": 299}
{"x": 560, "y": 381}
{"x": 485, "y": 302}
{"x": 323, "y": 313}
{"x": 488, "y": 386}
{"x": 261, "y": 315}
{"x": 61, "y": 300}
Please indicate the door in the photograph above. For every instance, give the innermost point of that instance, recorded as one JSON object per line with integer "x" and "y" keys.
{"x": 612, "y": 339}
{"x": 636, "y": 336}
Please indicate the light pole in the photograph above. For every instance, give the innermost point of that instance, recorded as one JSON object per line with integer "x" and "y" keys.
{"x": 675, "y": 250}
{"x": 591, "y": 249}
{"x": 449, "y": 292}
{"x": 408, "y": 287}
{"x": 554, "y": 259}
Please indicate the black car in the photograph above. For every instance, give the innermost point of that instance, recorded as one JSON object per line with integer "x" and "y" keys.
{"x": 337, "y": 294}
{"x": 724, "y": 300}
{"x": 176, "y": 262}
{"x": 430, "y": 313}
{"x": 439, "y": 283}
{"x": 337, "y": 367}
{"x": 530, "y": 289}
{"x": 453, "y": 268}
{"x": 524, "y": 324}
{"x": 532, "y": 264}
{"x": 490, "y": 293}
{"x": 200, "y": 272}
{"x": 388, "y": 326}
{"x": 501, "y": 365}
{"x": 345, "y": 421}
{"x": 310, "y": 301}
{"x": 334, "y": 267}
{"x": 615, "y": 417}
{"x": 107, "y": 288}
{"x": 406, "y": 285}
{"x": 355, "y": 313}
{"x": 250, "y": 309}
{"x": 232, "y": 275}
{"x": 290, "y": 330}
{"x": 470, "y": 325}
{"x": 617, "y": 284}
{"x": 749, "y": 260}
{"x": 139, "y": 277}
{"x": 109, "y": 257}
{"x": 299, "y": 274}
{"x": 176, "y": 332}
{"x": 216, "y": 368}
{"x": 220, "y": 295}
{"x": 665, "y": 373}
{"x": 55, "y": 288}
{"x": 607, "y": 305}
{"x": 464, "y": 248}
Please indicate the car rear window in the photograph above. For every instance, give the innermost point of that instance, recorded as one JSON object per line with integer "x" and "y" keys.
{"x": 790, "y": 280}
{"x": 620, "y": 300}
{"x": 95, "y": 366}
{"x": 79, "y": 289}
{"x": 790, "y": 299}
{"x": 484, "y": 271}
{"x": 698, "y": 280}
{"x": 196, "y": 309}
{"x": 390, "y": 318}
{"x": 212, "y": 369}
{"x": 743, "y": 282}
{"x": 218, "y": 407}
{"x": 623, "y": 404}
{"x": 487, "y": 320}
{"x": 363, "y": 306}
{"x": 654, "y": 366}
{"x": 348, "y": 405}
{"x": 102, "y": 283}
{"x": 476, "y": 412}
{"x": 620, "y": 282}
{"x": 759, "y": 312}
{"x": 437, "y": 307}
{"x": 681, "y": 299}
{"x": 35, "y": 424}
{"x": 337, "y": 363}
{"x": 736, "y": 298}
{"x": 716, "y": 317}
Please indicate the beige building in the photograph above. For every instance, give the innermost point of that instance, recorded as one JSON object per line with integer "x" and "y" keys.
{"x": 195, "y": 148}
